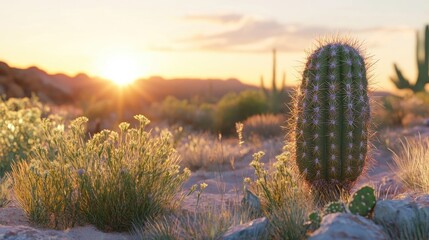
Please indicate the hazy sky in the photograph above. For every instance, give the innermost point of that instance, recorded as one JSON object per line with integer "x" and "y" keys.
{"x": 202, "y": 38}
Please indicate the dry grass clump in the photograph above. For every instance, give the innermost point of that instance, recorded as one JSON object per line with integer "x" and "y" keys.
{"x": 205, "y": 151}
{"x": 285, "y": 199}
{"x": 263, "y": 126}
{"x": 209, "y": 223}
{"x": 412, "y": 163}
{"x": 209, "y": 220}
{"x": 110, "y": 180}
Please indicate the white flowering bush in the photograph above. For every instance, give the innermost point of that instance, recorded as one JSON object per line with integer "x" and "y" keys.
{"x": 111, "y": 180}
{"x": 20, "y": 122}
{"x": 285, "y": 199}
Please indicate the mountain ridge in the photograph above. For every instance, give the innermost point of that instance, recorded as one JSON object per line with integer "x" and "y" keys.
{"x": 62, "y": 88}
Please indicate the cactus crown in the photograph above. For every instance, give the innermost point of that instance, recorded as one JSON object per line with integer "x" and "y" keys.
{"x": 332, "y": 116}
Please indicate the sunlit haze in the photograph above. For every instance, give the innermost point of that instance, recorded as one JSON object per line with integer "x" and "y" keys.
{"x": 121, "y": 69}
{"x": 203, "y": 39}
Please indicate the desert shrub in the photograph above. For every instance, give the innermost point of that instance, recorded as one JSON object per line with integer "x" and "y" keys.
{"x": 233, "y": 108}
{"x": 205, "y": 151}
{"x": 390, "y": 113}
{"x": 412, "y": 165}
{"x": 416, "y": 107}
{"x": 203, "y": 117}
{"x": 402, "y": 111}
{"x": 285, "y": 199}
{"x": 94, "y": 108}
{"x": 175, "y": 111}
{"x": 110, "y": 180}
{"x": 264, "y": 126}
{"x": 43, "y": 186}
{"x": 20, "y": 122}
{"x": 219, "y": 117}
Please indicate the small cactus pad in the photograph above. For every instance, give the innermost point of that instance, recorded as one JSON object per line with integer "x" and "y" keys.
{"x": 332, "y": 116}
{"x": 315, "y": 218}
{"x": 334, "y": 207}
{"x": 363, "y": 201}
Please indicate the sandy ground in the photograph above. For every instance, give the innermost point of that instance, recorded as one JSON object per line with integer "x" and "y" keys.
{"x": 13, "y": 215}
{"x": 226, "y": 185}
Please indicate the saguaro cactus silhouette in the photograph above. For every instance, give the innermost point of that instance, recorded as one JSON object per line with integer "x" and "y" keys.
{"x": 332, "y": 116}
{"x": 422, "y": 55}
{"x": 276, "y": 97}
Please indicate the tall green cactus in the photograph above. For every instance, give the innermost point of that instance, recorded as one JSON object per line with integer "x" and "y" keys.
{"x": 422, "y": 55}
{"x": 331, "y": 129}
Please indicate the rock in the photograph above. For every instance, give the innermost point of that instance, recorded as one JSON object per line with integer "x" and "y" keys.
{"x": 252, "y": 203}
{"x": 404, "y": 218}
{"x": 347, "y": 226}
{"x": 21, "y": 232}
{"x": 400, "y": 211}
{"x": 250, "y": 230}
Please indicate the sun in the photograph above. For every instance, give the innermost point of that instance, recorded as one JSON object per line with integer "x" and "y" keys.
{"x": 122, "y": 70}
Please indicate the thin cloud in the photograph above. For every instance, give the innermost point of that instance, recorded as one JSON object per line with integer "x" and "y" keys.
{"x": 269, "y": 33}
{"x": 259, "y": 35}
{"x": 249, "y": 32}
{"x": 387, "y": 29}
{"x": 221, "y": 18}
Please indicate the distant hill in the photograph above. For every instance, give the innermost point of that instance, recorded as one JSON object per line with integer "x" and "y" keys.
{"x": 15, "y": 82}
{"x": 181, "y": 88}
{"x": 61, "y": 88}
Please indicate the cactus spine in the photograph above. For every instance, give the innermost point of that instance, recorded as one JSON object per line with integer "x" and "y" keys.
{"x": 331, "y": 129}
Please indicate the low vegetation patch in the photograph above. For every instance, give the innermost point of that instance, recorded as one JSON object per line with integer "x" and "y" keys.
{"x": 285, "y": 199}
{"x": 110, "y": 180}
{"x": 263, "y": 126}
{"x": 209, "y": 220}
{"x": 20, "y": 124}
{"x": 205, "y": 151}
{"x": 412, "y": 163}
{"x": 405, "y": 111}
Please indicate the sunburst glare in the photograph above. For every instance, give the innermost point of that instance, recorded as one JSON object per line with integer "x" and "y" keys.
{"x": 122, "y": 70}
